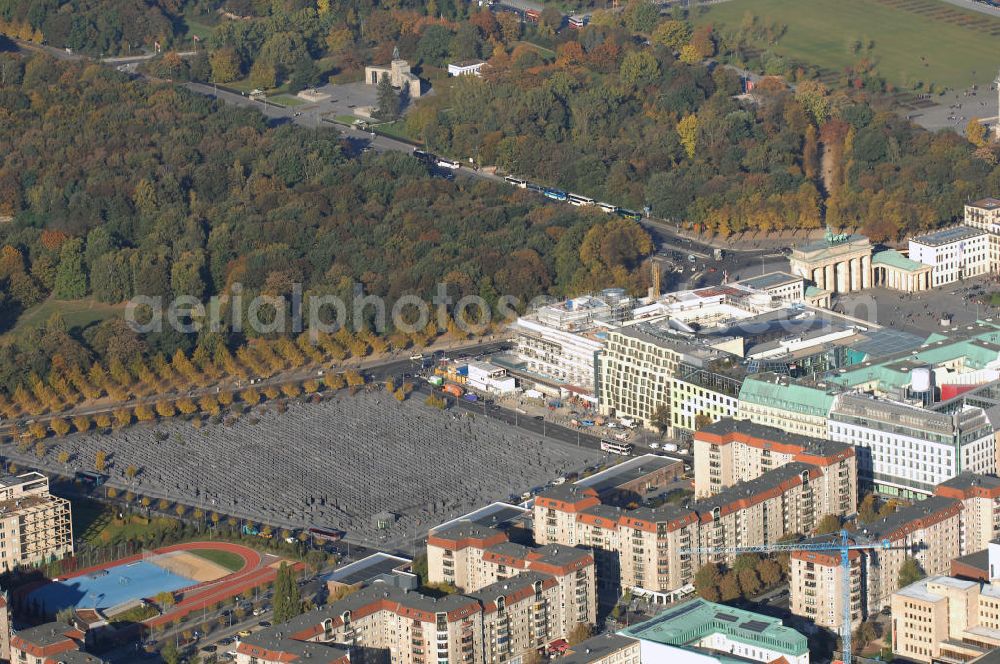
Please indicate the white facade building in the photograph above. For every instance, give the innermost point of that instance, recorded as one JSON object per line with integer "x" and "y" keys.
{"x": 906, "y": 450}
{"x": 954, "y": 253}
{"x": 985, "y": 214}
{"x": 488, "y": 378}
{"x": 466, "y": 68}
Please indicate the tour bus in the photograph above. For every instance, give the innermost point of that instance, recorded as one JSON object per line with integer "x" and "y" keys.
{"x": 326, "y": 534}
{"x": 90, "y": 479}
{"x": 615, "y": 447}
{"x": 578, "y": 200}
{"x": 629, "y": 214}
{"x": 426, "y": 157}
{"x": 555, "y": 194}
{"x": 517, "y": 182}
{"x": 608, "y": 207}
{"x": 448, "y": 163}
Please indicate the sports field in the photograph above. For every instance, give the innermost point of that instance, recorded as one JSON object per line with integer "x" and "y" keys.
{"x": 926, "y": 41}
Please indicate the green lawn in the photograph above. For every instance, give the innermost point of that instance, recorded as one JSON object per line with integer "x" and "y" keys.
{"x": 395, "y": 129}
{"x": 287, "y": 100}
{"x": 345, "y": 119}
{"x": 76, "y": 313}
{"x": 541, "y": 50}
{"x": 196, "y": 29}
{"x": 925, "y": 41}
{"x": 227, "y": 559}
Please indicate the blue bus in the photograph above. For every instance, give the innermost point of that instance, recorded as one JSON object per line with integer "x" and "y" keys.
{"x": 555, "y": 194}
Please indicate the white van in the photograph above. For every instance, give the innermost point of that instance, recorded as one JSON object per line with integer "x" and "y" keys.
{"x": 448, "y": 163}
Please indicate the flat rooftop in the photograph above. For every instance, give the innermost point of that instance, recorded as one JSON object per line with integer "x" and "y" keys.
{"x": 596, "y": 648}
{"x": 367, "y": 569}
{"x": 626, "y": 472}
{"x": 493, "y": 515}
{"x": 987, "y": 203}
{"x": 948, "y": 236}
{"x": 694, "y": 620}
{"x": 770, "y": 280}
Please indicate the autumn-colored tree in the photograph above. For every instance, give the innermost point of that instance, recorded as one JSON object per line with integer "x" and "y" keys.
{"x": 250, "y": 396}
{"x": 59, "y": 426}
{"x": 334, "y": 381}
{"x": 975, "y": 132}
{"x": 41, "y": 449}
{"x": 186, "y": 405}
{"x": 102, "y": 420}
{"x": 165, "y": 409}
{"x": 209, "y": 404}
{"x": 672, "y": 34}
{"x": 144, "y": 413}
{"x": 271, "y": 392}
{"x": 353, "y": 378}
{"x": 63, "y": 457}
{"x": 291, "y": 389}
{"x": 123, "y": 417}
{"x": 687, "y": 130}
{"x": 131, "y": 471}
{"x": 37, "y": 430}
{"x": 310, "y": 386}
{"x": 100, "y": 461}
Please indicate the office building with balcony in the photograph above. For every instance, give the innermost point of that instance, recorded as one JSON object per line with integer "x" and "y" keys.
{"x": 35, "y": 526}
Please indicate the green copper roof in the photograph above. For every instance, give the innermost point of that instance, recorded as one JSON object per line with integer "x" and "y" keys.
{"x": 894, "y": 371}
{"x": 692, "y": 621}
{"x": 768, "y": 391}
{"x": 893, "y": 258}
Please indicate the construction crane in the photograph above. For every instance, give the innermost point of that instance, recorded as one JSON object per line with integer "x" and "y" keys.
{"x": 843, "y": 546}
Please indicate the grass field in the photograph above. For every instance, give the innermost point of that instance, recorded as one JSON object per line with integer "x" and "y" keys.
{"x": 76, "y": 313}
{"x": 287, "y": 100}
{"x": 227, "y": 559}
{"x": 925, "y": 41}
{"x": 541, "y": 50}
{"x": 199, "y": 30}
{"x": 395, "y": 129}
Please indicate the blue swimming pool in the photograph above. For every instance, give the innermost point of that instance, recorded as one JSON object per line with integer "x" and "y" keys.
{"x": 110, "y": 587}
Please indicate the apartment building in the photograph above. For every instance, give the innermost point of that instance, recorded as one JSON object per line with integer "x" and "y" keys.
{"x": 941, "y": 618}
{"x": 473, "y": 557}
{"x": 927, "y": 531}
{"x": 702, "y": 632}
{"x": 641, "y": 549}
{"x": 35, "y": 526}
{"x": 732, "y": 451}
{"x": 5, "y": 627}
{"x": 980, "y": 496}
{"x": 955, "y": 253}
{"x": 501, "y": 622}
{"x": 984, "y": 214}
{"x": 776, "y": 401}
{"x": 812, "y": 574}
{"x": 905, "y": 450}
{"x": 49, "y": 643}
